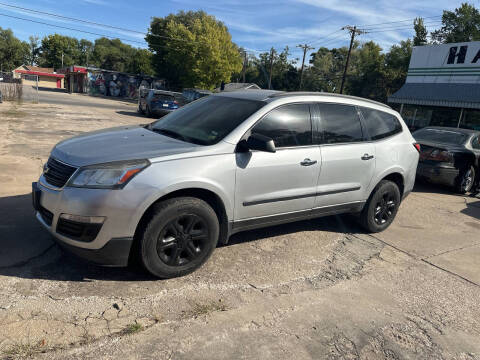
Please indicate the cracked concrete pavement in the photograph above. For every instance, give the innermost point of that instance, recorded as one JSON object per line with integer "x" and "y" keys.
{"x": 313, "y": 289}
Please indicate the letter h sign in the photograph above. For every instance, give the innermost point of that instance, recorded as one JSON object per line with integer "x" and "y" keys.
{"x": 460, "y": 56}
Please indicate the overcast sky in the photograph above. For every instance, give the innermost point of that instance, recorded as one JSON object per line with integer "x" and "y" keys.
{"x": 254, "y": 24}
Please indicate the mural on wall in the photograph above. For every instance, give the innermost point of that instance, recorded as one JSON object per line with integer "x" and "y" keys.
{"x": 120, "y": 85}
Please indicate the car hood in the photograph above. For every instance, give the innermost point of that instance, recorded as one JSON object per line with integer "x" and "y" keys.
{"x": 119, "y": 143}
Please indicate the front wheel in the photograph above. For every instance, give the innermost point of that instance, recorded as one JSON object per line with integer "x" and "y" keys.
{"x": 179, "y": 238}
{"x": 465, "y": 180}
{"x": 381, "y": 208}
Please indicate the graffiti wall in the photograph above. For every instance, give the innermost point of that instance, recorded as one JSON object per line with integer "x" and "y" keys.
{"x": 113, "y": 84}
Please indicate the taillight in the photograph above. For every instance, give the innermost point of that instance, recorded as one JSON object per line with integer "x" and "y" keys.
{"x": 175, "y": 102}
{"x": 417, "y": 146}
{"x": 441, "y": 155}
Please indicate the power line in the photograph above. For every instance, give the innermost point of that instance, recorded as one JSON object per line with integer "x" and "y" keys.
{"x": 399, "y": 21}
{"x": 325, "y": 37}
{"x": 401, "y": 26}
{"x": 72, "y": 29}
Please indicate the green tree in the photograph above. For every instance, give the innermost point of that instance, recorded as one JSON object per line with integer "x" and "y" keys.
{"x": 34, "y": 49}
{"x": 460, "y": 25}
{"x": 368, "y": 78}
{"x": 325, "y": 72}
{"x": 57, "y": 49}
{"x": 193, "y": 49}
{"x": 421, "y": 32}
{"x": 13, "y": 52}
{"x": 142, "y": 63}
{"x": 397, "y": 61}
{"x": 85, "y": 52}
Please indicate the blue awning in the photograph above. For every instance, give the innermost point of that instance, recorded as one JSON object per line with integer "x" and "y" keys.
{"x": 448, "y": 95}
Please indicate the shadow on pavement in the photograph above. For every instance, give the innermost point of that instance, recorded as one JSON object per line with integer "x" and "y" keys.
{"x": 425, "y": 187}
{"x": 131, "y": 113}
{"x": 473, "y": 210}
{"x": 56, "y": 90}
{"x": 28, "y": 250}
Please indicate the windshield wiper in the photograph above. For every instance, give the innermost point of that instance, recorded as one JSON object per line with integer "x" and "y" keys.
{"x": 170, "y": 133}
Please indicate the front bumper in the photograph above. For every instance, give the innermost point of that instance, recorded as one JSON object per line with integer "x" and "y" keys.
{"x": 120, "y": 208}
{"x": 438, "y": 173}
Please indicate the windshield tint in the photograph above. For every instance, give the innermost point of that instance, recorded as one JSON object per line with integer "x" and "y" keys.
{"x": 440, "y": 136}
{"x": 207, "y": 120}
{"x": 163, "y": 97}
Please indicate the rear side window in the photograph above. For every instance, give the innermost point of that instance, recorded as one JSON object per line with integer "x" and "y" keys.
{"x": 380, "y": 124}
{"x": 339, "y": 124}
{"x": 288, "y": 125}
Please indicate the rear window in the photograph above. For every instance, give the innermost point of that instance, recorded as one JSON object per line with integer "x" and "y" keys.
{"x": 380, "y": 124}
{"x": 440, "y": 136}
{"x": 162, "y": 97}
{"x": 339, "y": 123}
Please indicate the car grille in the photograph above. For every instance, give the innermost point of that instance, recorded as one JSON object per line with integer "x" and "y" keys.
{"x": 46, "y": 215}
{"x": 58, "y": 173}
{"x": 78, "y": 231}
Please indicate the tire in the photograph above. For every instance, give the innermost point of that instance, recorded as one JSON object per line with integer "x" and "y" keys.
{"x": 179, "y": 237}
{"x": 465, "y": 180}
{"x": 381, "y": 207}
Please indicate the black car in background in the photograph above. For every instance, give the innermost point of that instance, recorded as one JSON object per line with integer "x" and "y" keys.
{"x": 449, "y": 156}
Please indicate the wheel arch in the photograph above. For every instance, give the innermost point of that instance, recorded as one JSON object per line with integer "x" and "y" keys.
{"x": 394, "y": 175}
{"x": 207, "y": 195}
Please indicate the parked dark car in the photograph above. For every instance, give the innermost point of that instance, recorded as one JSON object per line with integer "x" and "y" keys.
{"x": 449, "y": 156}
{"x": 157, "y": 102}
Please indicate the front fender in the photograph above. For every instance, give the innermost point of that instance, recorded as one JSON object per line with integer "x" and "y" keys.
{"x": 214, "y": 173}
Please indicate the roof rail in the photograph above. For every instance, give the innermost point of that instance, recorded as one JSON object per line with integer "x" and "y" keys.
{"x": 306, "y": 93}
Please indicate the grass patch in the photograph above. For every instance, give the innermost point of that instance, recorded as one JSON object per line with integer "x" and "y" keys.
{"x": 22, "y": 351}
{"x": 14, "y": 113}
{"x": 204, "y": 309}
{"x": 133, "y": 328}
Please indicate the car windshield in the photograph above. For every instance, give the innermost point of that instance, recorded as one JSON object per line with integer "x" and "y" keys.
{"x": 207, "y": 120}
{"x": 440, "y": 136}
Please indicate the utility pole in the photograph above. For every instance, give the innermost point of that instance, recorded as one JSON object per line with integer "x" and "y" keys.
{"x": 62, "y": 59}
{"x": 244, "y": 66}
{"x": 272, "y": 52}
{"x": 305, "y": 49}
{"x": 353, "y": 31}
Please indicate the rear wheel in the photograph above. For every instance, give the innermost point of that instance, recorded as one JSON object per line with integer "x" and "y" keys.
{"x": 381, "y": 208}
{"x": 179, "y": 238}
{"x": 466, "y": 180}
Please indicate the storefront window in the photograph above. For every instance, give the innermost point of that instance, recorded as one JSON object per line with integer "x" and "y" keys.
{"x": 445, "y": 117}
{"x": 470, "y": 119}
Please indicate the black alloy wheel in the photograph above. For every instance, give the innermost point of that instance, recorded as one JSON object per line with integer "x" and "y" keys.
{"x": 179, "y": 236}
{"x": 381, "y": 207}
{"x": 385, "y": 208}
{"x": 182, "y": 240}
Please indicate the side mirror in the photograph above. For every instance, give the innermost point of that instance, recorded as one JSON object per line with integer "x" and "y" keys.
{"x": 260, "y": 143}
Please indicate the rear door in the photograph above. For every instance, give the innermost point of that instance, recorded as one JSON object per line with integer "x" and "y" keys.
{"x": 281, "y": 182}
{"x": 348, "y": 160}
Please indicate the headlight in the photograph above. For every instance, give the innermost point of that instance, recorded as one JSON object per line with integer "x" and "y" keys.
{"x": 113, "y": 175}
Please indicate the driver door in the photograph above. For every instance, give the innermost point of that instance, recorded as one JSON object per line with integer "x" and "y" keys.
{"x": 269, "y": 184}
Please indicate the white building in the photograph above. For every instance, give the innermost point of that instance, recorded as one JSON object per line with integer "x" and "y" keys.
{"x": 442, "y": 86}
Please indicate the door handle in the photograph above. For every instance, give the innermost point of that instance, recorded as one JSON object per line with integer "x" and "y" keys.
{"x": 308, "y": 162}
{"x": 367, "y": 157}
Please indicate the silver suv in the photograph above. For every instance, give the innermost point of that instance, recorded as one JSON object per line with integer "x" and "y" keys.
{"x": 167, "y": 193}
